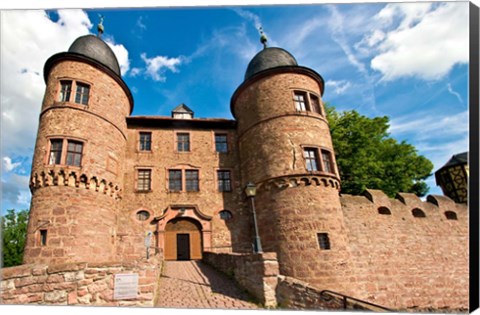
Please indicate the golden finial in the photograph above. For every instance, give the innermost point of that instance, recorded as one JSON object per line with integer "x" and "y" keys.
{"x": 100, "y": 28}
{"x": 263, "y": 37}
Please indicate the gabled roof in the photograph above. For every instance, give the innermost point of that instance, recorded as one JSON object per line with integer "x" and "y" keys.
{"x": 182, "y": 108}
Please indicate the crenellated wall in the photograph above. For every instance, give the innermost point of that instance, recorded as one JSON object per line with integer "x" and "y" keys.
{"x": 406, "y": 262}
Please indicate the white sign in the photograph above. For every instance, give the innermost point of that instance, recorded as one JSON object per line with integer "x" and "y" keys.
{"x": 126, "y": 286}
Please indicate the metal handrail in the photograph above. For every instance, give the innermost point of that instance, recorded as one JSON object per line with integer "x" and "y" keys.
{"x": 328, "y": 295}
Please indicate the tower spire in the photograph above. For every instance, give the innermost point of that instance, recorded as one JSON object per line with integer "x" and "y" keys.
{"x": 263, "y": 37}
{"x": 100, "y": 28}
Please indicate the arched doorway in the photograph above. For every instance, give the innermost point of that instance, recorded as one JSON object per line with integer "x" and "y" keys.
{"x": 183, "y": 239}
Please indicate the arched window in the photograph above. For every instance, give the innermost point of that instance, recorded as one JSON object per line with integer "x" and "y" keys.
{"x": 384, "y": 211}
{"x": 417, "y": 213}
{"x": 143, "y": 215}
{"x": 225, "y": 215}
{"x": 450, "y": 215}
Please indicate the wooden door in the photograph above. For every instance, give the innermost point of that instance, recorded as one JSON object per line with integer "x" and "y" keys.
{"x": 183, "y": 246}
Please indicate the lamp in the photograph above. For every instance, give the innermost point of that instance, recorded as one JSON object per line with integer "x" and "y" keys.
{"x": 251, "y": 191}
{"x": 453, "y": 178}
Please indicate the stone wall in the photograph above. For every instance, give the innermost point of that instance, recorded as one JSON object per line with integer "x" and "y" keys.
{"x": 298, "y": 295}
{"x": 256, "y": 273}
{"x": 76, "y": 284}
{"x": 407, "y": 262}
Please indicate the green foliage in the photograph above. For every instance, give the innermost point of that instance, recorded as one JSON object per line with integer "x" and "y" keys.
{"x": 368, "y": 158}
{"x": 14, "y": 231}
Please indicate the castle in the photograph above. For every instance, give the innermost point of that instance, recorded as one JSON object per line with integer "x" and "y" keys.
{"x": 104, "y": 184}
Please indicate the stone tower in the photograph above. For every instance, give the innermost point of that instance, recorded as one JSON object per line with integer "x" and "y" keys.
{"x": 77, "y": 168}
{"x": 285, "y": 148}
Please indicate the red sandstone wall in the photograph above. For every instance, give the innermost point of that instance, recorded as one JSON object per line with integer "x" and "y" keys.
{"x": 293, "y": 204}
{"x": 70, "y": 213}
{"x": 76, "y": 284}
{"x": 257, "y": 273}
{"x": 401, "y": 261}
{"x": 226, "y": 236}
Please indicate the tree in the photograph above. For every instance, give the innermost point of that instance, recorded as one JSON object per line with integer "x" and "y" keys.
{"x": 368, "y": 158}
{"x": 14, "y": 231}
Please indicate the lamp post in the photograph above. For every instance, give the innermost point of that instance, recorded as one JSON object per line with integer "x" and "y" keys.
{"x": 251, "y": 191}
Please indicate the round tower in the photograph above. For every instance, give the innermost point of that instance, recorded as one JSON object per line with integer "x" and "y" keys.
{"x": 77, "y": 168}
{"x": 285, "y": 148}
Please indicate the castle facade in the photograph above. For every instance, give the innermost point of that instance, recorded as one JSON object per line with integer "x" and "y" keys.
{"x": 108, "y": 186}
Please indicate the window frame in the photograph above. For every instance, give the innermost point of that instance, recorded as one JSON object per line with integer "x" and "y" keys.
{"x": 182, "y": 170}
{"x": 138, "y": 179}
{"x": 323, "y": 240}
{"x": 315, "y": 158}
{"x": 195, "y": 181}
{"x": 310, "y": 106}
{"x": 43, "y": 237}
{"x": 177, "y": 142}
{"x": 319, "y": 151}
{"x": 64, "y": 150}
{"x": 71, "y": 98}
{"x": 226, "y": 143}
{"x": 169, "y": 180}
{"x": 74, "y": 153}
{"x": 219, "y": 180}
{"x": 139, "y": 142}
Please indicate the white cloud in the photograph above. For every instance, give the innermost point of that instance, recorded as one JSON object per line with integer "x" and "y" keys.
{"x": 428, "y": 42}
{"x": 249, "y": 16}
{"x": 428, "y": 126}
{"x": 8, "y": 165}
{"x": 156, "y": 66}
{"x": 454, "y": 93}
{"x": 339, "y": 87}
{"x": 121, "y": 53}
{"x": 22, "y": 85}
{"x": 15, "y": 190}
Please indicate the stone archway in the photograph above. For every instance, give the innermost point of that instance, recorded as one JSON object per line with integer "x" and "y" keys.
{"x": 188, "y": 220}
{"x": 183, "y": 239}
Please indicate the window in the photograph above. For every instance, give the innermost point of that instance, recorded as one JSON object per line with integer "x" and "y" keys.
{"x": 323, "y": 240}
{"x": 384, "y": 211}
{"x": 74, "y": 153}
{"x": 221, "y": 144}
{"x": 417, "y": 213}
{"x": 142, "y": 215}
{"x": 183, "y": 142}
{"x": 327, "y": 161}
{"x": 175, "y": 180}
{"x": 81, "y": 96}
{"x": 144, "y": 180}
{"x": 300, "y": 100}
{"x": 311, "y": 158}
{"x": 224, "y": 181}
{"x": 315, "y": 104}
{"x": 450, "y": 215}
{"x": 191, "y": 180}
{"x": 43, "y": 237}
{"x": 145, "y": 141}
{"x": 82, "y": 91}
{"x": 55, "y": 155}
{"x": 65, "y": 91}
{"x": 225, "y": 215}
{"x": 71, "y": 156}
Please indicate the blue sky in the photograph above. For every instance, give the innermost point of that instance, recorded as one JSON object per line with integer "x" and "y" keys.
{"x": 408, "y": 61}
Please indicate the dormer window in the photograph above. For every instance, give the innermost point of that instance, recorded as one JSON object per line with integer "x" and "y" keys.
{"x": 182, "y": 112}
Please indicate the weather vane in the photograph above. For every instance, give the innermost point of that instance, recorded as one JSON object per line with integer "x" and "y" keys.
{"x": 263, "y": 37}
{"x": 100, "y": 28}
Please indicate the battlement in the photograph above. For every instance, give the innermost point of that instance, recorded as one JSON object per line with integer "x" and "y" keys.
{"x": 437, "y": 207}
{"x": 66, "y": 177}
